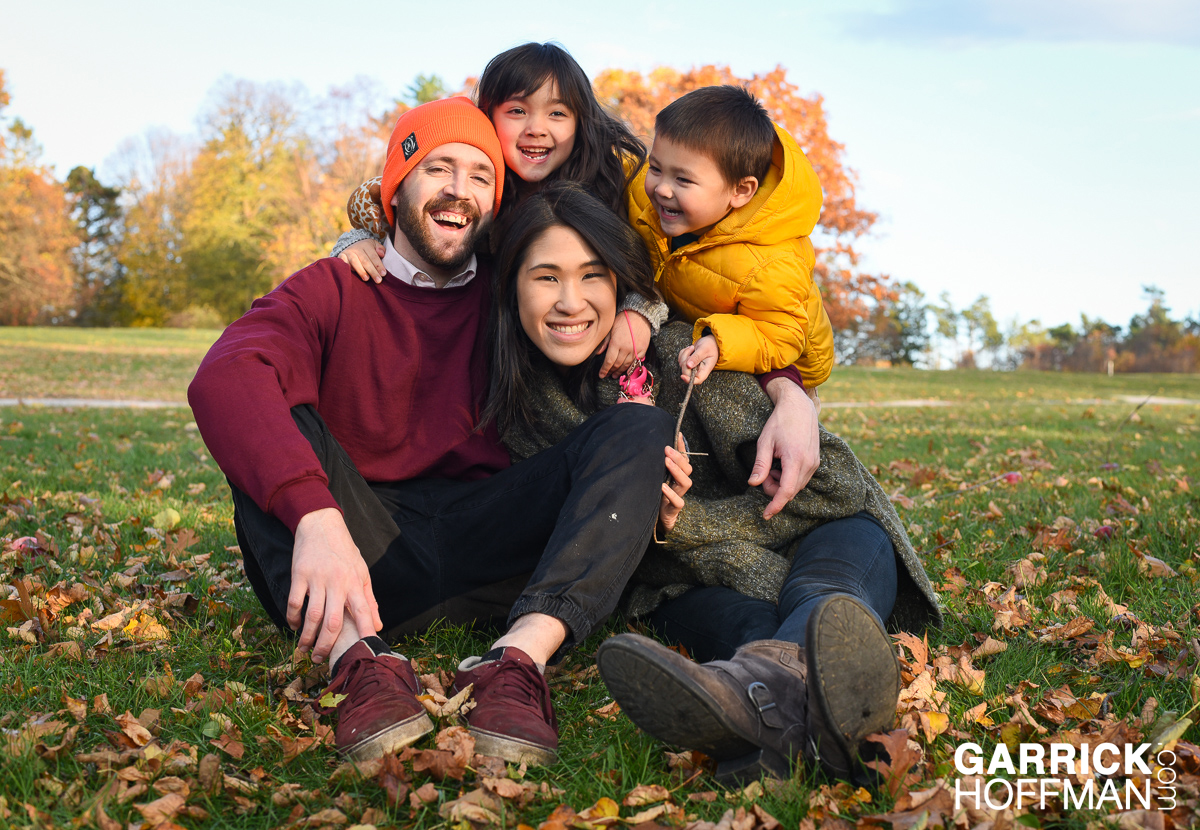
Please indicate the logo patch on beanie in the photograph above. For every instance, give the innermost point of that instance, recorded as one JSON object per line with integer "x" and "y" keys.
{"x": 409, "y": 146}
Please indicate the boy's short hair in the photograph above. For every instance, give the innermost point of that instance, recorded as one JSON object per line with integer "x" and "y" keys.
{"x": 727, "y": 124}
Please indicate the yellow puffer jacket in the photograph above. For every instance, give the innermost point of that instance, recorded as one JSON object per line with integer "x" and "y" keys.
{"x": 749, "y": 279}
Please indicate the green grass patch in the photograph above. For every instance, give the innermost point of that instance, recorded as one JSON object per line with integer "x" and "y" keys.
{"x": 136, "y": 364}
{"x": 130, "y": 517}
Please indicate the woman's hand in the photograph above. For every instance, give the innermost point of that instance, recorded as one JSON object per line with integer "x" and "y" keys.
{"x": 629, "y": 330}
{"x": 701, "y": 356}
{"x": 365, "y": 257}
{"x": 680, "y": 469}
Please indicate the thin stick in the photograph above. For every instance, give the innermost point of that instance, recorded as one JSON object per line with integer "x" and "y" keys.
{"x": 1129, "y": 417}
{"x": 682, "y": 407}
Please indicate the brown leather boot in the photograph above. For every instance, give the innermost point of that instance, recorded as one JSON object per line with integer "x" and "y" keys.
{"x": 853, "y": 683}
{"x": 749, "y": 713}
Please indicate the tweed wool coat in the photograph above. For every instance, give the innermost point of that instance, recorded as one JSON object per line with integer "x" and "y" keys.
{"x": 721, "y": 537}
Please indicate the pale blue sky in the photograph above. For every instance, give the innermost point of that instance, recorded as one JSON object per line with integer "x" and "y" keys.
{"x": 1044, "y": 152}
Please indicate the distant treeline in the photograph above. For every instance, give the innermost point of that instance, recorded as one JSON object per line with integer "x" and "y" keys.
{"x": 193, "y": 228}
{"x": 907, "y": 330}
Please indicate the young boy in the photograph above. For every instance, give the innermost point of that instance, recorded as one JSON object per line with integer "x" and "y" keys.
{"x": 725, "y": 205}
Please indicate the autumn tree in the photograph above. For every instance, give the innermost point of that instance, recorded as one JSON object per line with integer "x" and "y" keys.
{"x": 848, "y": 293}
{"x": 895, "y": 333}
{"x": 36, "y": 237}
{"x": 153, "y": 172}
{"x": 97, "y": 215}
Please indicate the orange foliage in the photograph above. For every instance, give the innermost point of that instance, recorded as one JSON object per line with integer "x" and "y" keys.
{"x": 849, "y": 295}
{"x": 36, "y": 281}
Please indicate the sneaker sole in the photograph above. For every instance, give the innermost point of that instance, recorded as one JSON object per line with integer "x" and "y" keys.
{"x": 513, "y": 750}
{"x": 654, "y": 687}
{"x": 389, "y": 740}
{"x": 853, "y": 677}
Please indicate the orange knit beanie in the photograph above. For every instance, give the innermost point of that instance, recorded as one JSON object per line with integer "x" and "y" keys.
{"x": 430, "y": 125}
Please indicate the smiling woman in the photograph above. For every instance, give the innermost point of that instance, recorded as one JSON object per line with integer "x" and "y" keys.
{"x": 565, "y": 264}
{"x": 567, "y": 297}
{"x": 794, "y": 608}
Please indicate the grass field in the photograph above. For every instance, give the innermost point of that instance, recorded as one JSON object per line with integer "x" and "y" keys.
{"x": 142, "y": 684}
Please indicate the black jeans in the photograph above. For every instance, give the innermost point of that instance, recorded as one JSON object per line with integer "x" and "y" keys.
{"x": 846, "y": 556}
{"x": 557, "y": 534}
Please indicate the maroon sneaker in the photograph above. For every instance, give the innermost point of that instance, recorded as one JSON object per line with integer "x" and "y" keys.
{"x": 512, "y": 718}
{"x": 380, "y": 713}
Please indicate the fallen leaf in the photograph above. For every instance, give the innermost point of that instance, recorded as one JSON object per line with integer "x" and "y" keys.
{"x": 166, "y": 519}
{"x": 503, "y": 787}
{"x": 989, "y": 647}
{"x": 162, "y": 809}
{"x": 644, "y": 794}
{"x": 134, "y": 730}
{"x": 896, "y": 770}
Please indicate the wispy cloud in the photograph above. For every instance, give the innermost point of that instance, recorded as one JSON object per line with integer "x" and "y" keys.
{"x": 964, "y": 22}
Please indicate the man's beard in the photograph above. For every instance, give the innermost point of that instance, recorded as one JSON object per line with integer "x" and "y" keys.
{"x": 410, "y": 221}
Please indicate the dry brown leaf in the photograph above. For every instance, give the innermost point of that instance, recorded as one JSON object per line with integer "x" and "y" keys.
{"x": 989, "y": 647}
{"x": 917, "y": 647}
{"x": 604, "y": 808}
{"x": 76, "y": 707}
{"x": 933, "y": 724}
{"x": 475, "y": 806}
{"x": 231, "y": 744}
{"x": 967, "y": 676}
{"x": 766, "y": 821}
{"x": 162, "y": 809}
{"x": 902, "y": 757}
{"x": 503, "y": 787}
{"x": 933, "y": 807}
{"x": 210, "y": 775}
{"x": 644, "y": 794}
{"x": 1153, "y": 566}
{"x": 646, "y": 815}
{"x": 134, "y": 730}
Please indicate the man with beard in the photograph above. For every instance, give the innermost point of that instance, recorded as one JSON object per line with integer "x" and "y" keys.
{"x": 366, "y": 498}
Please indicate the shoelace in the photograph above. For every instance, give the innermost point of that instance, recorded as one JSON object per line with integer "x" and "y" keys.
{"x": 523, "y": 685}
{"x": 368, "y": 672}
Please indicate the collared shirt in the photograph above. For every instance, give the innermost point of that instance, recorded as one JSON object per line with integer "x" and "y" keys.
{"x": 403, "y": 270}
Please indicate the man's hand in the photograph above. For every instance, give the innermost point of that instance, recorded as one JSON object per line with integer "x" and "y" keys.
{"x": 365, "y": 258}
{"x": 329, "y": 570}
{"x": 791, "y": 436}
{"x": 701, "y": 356}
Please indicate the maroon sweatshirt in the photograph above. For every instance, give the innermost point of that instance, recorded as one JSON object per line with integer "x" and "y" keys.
{"x": 398, "y": 373}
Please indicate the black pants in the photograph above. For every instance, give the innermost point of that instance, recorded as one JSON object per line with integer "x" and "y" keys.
{"x": 557, "y": 534}
{"x": 847, "y": 556}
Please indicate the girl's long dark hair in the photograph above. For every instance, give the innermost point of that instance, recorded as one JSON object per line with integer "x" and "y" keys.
{"x": 558, "y": 204}
{"x": 601, "y": 140}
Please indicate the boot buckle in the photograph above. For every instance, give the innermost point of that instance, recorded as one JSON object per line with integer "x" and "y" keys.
{"x": 753, "y": 689}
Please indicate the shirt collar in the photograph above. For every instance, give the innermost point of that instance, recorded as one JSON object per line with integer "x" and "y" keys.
{"x": 403, "y": 270}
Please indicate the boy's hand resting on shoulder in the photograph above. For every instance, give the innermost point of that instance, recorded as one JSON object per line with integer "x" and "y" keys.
{"x": 702, "y": 356}
{"x": 365, "y": 257}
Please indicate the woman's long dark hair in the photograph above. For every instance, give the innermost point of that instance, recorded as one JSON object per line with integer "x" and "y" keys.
{"x": 559, "y": 204}
{"x": 601, "y": 140}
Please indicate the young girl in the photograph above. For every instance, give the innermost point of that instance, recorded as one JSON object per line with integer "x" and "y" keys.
{"x": 551, "y": 128}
